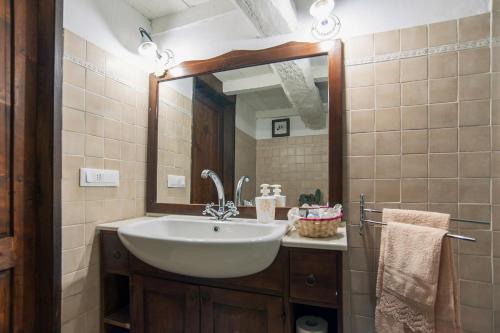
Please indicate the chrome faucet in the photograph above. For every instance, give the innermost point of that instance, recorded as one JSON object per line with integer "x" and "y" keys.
{"x": 221, "y": 214}
{"x": 239, "y": 187}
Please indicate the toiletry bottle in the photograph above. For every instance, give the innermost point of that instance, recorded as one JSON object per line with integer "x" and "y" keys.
{"x": 280, "y": 199}
{"x": 265, "y": 205}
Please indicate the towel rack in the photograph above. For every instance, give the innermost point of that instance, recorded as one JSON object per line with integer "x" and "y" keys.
{"x": 363, "y": 220}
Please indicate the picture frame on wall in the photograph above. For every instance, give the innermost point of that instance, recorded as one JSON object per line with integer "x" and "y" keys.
{"x": 280, "y": 127}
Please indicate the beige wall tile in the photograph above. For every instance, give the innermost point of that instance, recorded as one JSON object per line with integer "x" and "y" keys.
{"x": 414, "y": 38}
{"x": 73, "y": 212}
{"x": 359, "y": 186}
{"x": 73, "y": 120}
{"x": 474, "y": 190}
{"x": 474, "y": 113}
{"x": 495, "y": 29}
{"x": 414, "y": 117}
{"x": 73, "y": 97}
{"x": 388, "y": 95}
{"x": 414, "y": 141}
{"x": 73, "y": 260}
{"x": 474, "y": 87}
{"x": 414, "y": 190}
{"x": 388, "y": 119}
{"x": 443, "y": 115}
{"x": 474, "y": 61}
{"x": 360, "y": 47}
{"x": 443, "y": 190}
{"x": 481, "y": 247}
{"x": 361, "y": 75}
{"x": 112, "y": 149}
{"x": 495, "y": 165}
{"x": 443, "y": 90}
{"x": 73, "y": 74}
{"x": 414, "y": 69}
{"x": 388, "y": 166}
{"x": 72, "y": 236}
{"x": 495, "y": 130}
{"x": 362, "y": 121}
{"x": 94, "y": 125}
{"x": 443, "y": 165}
{"x": 71, "y": 165}
{"x": 474, "y": 27}
{"x": 495, "y": 59}
{"x": 443, "y": 65}
{"x": 495, "y": 85}
{"x": 414, "y": 165}
{"x": 387, "y": 72}
{"x": 414, "y": 93}
{"x": 362, "y": 167}
{"x": 476, "y": 319}
{"x": 362, "y": 144}
{"x": 387, "y": 42}
{"x": 362, "y": 98}
{"x": 94, "y": 82}
{"x": 94, "y": 146}
{"x": 443, "y": 140}
{"x": 119, "y": 92}
{"x": 443, "y": 33}
{"x": 476, "y": 294}
{"x": 476, "y": 138}
{"x": 387, "y": 190}
{"x": 73, "y": 143}
{"x": 112, "y": 129}
{"x": 388, "y": 143}
{"x": 475, "y": 164}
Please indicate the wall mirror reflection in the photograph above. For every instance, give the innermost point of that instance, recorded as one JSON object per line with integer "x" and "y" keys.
{"x": 264, "y": 124}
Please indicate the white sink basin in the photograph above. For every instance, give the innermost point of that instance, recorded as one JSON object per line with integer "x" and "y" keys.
{"x": 200, "y": 247}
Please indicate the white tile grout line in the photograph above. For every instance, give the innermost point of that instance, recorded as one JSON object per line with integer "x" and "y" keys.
{"x": 485, "y": 42}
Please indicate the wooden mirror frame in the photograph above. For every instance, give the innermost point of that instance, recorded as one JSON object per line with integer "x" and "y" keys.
{"x": 247, "y": 58}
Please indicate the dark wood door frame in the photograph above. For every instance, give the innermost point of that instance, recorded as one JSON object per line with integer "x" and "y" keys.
{"x": 33, "y": 49}
{"x": 240, "y": 59}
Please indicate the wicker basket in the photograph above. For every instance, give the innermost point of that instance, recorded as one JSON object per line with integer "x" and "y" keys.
{"x": 318, "y": 227}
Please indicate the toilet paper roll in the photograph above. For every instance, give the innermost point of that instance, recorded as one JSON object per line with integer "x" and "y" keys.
{"x": 311, "y": 324}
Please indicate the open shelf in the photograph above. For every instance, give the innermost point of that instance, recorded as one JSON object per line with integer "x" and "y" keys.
{"x": 329, "y": 314}
{"x": 120, "y": 318}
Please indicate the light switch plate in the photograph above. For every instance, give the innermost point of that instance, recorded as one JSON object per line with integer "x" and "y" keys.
{"x": 99, "y": 177}
{"x": 176, "y": 181}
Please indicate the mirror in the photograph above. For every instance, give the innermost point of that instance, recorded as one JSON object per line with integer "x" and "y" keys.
{"x": 268, "y": 123}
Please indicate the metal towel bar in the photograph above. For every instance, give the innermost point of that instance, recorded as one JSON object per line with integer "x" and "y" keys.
{"x": 363, "y": 220}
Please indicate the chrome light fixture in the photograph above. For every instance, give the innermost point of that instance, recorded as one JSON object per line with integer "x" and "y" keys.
{"x": 327, "y": 25}
{"x": 149, "y": 49}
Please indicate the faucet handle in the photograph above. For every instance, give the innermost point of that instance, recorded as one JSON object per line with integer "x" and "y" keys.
{"x": 208, "y": 209}
{"x": 231, "y": 207}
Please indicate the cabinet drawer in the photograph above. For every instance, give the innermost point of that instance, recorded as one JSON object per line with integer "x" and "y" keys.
{"x": 313, "y": 276}
{"x": 114, "y": 254}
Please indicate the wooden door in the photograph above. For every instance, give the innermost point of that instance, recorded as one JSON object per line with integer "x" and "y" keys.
{"x": 160, "y": 306}
{"x": 6, "y": 240}
{"x": 227, "y": 311}
{"x": 213, "y": 139}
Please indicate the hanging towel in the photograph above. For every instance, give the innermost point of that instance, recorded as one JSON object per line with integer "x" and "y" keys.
{"x": 416, "y": 285}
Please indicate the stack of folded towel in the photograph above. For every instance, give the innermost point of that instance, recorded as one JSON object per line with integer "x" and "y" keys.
{"x": 416, "y": 284}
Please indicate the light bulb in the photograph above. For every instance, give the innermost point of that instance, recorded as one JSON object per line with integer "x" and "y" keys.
{"x": 321, "y": 9}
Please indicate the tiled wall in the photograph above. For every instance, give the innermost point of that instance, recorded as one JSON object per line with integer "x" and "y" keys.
{"x": 245, "y": 159}
{"x": 174, "y": 144}
{"x": 422, "y": 132}
{"x": 298, "y": 163}
{"x": 104, "y": 126}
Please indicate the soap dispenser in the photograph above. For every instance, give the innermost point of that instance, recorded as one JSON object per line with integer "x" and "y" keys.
{"x": 265, "y": 205}
{"x": 280, "y": 199}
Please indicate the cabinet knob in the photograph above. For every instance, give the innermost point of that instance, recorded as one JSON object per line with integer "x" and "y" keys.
{"x": 311, "y": 280}
{"x": 117, "y": 254}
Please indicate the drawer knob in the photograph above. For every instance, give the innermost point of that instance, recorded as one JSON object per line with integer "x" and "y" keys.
{"x": 117, "y": 254}
{"x": 311, "y": 280}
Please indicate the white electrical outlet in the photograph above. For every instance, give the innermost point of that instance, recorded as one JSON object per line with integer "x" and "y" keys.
{"x": 99, "y": 177}
{"x": 176, "y": 181}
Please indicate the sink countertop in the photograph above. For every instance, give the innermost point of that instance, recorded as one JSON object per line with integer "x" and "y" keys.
{"x": 291, "y": 239}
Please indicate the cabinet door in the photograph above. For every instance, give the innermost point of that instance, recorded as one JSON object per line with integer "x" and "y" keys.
{"x": 160, "y": 306}
{"x": 227, "y": 311}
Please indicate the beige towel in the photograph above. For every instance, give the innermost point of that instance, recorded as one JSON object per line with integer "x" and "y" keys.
{"x": 416, "y": 285}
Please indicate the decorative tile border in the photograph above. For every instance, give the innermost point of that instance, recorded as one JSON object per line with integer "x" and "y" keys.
{"x": 99, "y": 70}
{"x": 486, "y": 42}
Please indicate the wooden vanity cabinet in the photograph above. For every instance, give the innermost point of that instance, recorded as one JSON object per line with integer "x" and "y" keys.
{"x": 298, "y": 282}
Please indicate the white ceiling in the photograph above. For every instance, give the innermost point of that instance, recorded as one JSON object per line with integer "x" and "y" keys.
{"x": 152, "y": 9}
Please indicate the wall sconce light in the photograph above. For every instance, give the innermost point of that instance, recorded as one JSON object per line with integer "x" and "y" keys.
{"x": 327, "y": 25}
{"x": 149, "y": 49}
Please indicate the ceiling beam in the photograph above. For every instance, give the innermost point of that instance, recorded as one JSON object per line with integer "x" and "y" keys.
{"x": 194, "y": 15}
{"x": 265, "y": 82}
{"x": 275, "y": 17}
